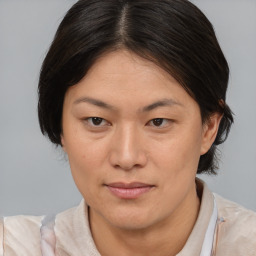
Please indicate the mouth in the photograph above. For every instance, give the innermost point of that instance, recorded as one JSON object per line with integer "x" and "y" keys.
{"x": 131, "y": 190}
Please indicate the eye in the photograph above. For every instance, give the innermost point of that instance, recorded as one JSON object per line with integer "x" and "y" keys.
{"x": 97, "y": 121}
{"x": 159, "y": 122}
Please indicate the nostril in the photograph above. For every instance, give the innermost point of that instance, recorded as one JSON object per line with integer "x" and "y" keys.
{"x": 137, "y": 161}
{"x": 126, "y": 167}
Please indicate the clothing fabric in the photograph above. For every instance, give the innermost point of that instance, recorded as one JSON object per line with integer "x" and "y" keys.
{"x": 68, "y": 234}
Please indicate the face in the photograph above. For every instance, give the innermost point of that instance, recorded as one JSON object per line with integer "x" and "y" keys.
{"x": 133, "y": 137}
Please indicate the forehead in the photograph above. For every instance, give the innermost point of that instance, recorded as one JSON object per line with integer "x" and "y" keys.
{"x": 124, "y": 77}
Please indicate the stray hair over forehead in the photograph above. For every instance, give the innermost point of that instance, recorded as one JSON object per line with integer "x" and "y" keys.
{"x": 174, "y": 34}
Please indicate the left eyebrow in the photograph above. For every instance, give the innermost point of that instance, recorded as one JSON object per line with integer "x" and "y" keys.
{"x": 162, "y": 103}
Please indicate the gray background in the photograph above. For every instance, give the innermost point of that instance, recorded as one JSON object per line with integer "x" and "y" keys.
{"x": 34, "y": 175}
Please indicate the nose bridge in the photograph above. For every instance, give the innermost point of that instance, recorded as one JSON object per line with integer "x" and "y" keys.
{"x": 127, "y": 147}
{"x": 127, "y": 135}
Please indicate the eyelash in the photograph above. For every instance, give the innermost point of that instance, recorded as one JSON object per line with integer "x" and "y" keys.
{"x": 162, "y": 120}
{"x": 91, "y": 121}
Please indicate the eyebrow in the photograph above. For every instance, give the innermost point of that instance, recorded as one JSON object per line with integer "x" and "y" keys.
{"x": 95, "y": 102}
{"x": 161, "y": 103}
{"x": 102, "y": 104}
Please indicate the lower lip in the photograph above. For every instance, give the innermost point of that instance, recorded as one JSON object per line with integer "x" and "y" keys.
{"x": 129, "y": 193}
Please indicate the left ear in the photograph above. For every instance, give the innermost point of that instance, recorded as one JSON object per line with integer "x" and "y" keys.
{"x": 210, "y": 130}
{"x": 63, "y": 142}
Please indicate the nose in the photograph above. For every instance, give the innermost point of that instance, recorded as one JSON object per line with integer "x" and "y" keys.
{"x": 127, "y": 151}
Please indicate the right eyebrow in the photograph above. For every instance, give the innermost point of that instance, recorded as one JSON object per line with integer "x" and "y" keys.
{"x": 94, "y": 102}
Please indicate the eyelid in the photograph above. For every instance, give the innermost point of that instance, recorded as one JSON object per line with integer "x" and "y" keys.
{"x": 167, "y": 122}
{"x": 89, "y": 122}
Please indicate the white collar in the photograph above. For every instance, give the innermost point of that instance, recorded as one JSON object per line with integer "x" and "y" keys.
{"x": 209, "y": 235}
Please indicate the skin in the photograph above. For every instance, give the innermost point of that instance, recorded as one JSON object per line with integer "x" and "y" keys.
{"x": 129, "y": 145}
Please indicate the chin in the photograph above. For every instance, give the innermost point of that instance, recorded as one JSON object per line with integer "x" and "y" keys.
{"x": 132, "y": 220}
{"x": 132, "y": 225}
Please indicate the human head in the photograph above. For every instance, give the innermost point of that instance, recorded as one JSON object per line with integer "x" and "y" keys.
{"x": 174, "y": 34}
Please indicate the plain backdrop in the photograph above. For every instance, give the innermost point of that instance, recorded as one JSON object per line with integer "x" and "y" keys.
{"x": 35, "y": 176}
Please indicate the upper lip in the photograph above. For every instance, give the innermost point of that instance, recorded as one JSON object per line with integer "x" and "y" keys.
{"x": 129, "y": 185}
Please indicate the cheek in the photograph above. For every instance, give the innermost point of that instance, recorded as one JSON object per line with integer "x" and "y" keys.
{"x": 179, "y": 153}
{"x": 85, "y": 174}
{"x": 85, "y": 159}
{"x": 84, "y": 152}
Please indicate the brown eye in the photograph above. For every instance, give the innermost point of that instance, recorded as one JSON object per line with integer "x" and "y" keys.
{"x": 157, "y": 121}
{"x": 96, "y": 121}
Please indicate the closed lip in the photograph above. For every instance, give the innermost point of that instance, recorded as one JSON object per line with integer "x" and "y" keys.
{"x": 129, "y": 185}
{"x": 130, "y": 190}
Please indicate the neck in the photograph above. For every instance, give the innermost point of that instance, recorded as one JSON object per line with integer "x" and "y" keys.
{"x": 163, "y": 239}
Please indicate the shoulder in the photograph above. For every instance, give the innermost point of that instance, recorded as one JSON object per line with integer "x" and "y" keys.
{"x": 73, "y": 235}
{"x": 234, "y": 212}
{"x": 68, "y": 233}
{"x": 236, "y": 229}
{"x": 21, "y": 234}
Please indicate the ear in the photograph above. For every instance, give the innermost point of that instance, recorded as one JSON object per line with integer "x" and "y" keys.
{"x": 210, "y": 130}
{"x": 62, "y": 142}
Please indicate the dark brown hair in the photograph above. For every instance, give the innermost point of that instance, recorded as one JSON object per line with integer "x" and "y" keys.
{"x": 174, "y": 34}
